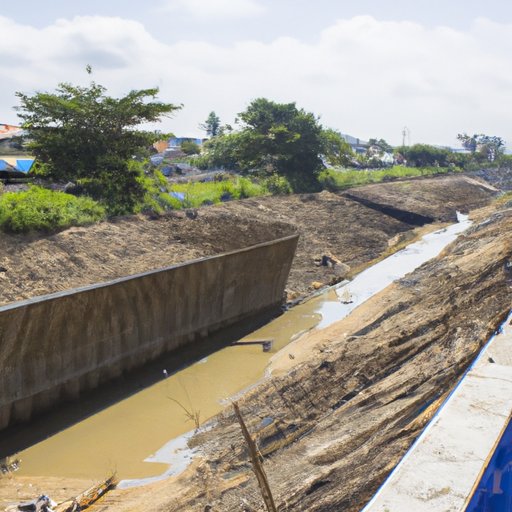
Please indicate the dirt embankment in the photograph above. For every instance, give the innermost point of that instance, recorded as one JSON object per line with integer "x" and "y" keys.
{"x": 333, "y": 424}
{"x": 356, "y": 227}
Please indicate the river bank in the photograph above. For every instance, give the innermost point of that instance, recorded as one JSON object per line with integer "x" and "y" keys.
{"x": 324, "y": 199}
{"x": 341, "y": 418}
{"x": 355, "y": 228}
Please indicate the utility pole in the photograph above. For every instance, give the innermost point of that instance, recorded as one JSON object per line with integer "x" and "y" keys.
{"x": 406, "y": 133}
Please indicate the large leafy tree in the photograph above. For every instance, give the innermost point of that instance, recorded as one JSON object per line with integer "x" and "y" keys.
{"x": 275, "y": 138}
{"x": 336, "y": 150}
{"x": 83, "y": 135}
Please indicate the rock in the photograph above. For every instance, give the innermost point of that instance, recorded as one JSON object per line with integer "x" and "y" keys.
{"x": 316, "y": 285}
{"x": 341, "y": 270}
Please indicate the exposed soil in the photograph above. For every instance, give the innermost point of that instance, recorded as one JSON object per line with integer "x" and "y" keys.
{"x": 334, "y": 420}
{"x": 338, "y": 224}
{"x": 339, "y": 413}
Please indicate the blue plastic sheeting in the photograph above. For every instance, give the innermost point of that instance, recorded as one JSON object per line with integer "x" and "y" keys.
{"x": 178, "y": 195}
{"x": 494, "y": 491}
{"x": 156, "y": 159}
{"x": 4, "y": 165}
{"x": 24, "y": 165}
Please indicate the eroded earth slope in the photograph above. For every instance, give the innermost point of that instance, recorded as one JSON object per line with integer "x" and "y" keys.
{"x": 356, "y": 233}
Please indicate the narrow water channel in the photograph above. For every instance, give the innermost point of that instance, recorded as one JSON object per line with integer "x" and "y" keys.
{"x": 126, "y": 435}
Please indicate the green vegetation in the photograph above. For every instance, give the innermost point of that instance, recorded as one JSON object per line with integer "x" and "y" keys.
{"x": 275, "y": 138}
{"x": 190, "y": 148}
{"x": 341, "y": 179}
{"x": 424, "y": 155}
{"x": 81, "y": 134}
{"x": 212, "y": 125}
{"x": 212, "y": 192}
{"x": 489, "y": 147}
{"x": 40, "y": 209}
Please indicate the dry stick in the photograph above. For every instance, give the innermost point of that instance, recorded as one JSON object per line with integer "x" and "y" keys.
{"x": 266, "y": 493}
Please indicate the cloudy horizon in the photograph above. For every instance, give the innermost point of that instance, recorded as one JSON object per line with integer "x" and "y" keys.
{"x": 364, "y": 71}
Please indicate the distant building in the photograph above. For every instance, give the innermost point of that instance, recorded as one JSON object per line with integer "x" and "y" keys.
{"x": 8, "y": 131}
{"x": 358, "y": 146}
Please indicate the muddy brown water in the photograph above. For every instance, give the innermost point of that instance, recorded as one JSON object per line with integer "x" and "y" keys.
{"x": 122, "y": 436}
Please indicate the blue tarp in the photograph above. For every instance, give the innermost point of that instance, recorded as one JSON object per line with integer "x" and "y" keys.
{"x": 178, "y": 195}
{"x": 494, "y": 492}
{"x": 4, "y": 165}
{"x": 156, "y": 159}
{"x": 24, "y": 165}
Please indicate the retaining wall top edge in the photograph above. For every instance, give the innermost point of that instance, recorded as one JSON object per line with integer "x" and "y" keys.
{"x": 71, "y": 291}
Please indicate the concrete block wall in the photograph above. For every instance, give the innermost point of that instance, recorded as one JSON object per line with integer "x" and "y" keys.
{"x": 53, "y": 347}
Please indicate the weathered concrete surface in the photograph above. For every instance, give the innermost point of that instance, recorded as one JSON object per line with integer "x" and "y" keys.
{"x": 443, "y": 467}
{"x": 53, "y": 347}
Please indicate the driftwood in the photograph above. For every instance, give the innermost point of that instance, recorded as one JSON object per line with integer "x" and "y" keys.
{"x": 88, "y": 497}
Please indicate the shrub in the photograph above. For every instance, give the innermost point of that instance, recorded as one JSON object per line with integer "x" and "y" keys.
{"x": 278, "y": 185}
{"x": 39, "y": 209}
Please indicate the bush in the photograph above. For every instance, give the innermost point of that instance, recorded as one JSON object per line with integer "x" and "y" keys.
{"x": 278, "y": 185}
{"x": 39, "y": 209}
{"x": 190, "y": 148}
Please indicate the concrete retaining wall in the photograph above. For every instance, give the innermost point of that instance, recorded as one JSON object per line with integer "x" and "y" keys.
{"x": 55, "y": 346}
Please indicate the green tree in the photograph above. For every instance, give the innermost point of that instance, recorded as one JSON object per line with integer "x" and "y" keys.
{"x": 424, "y": 155}
{"x": 273, "y": 139}
{"x": 280, "y": 138}
{"x": 489, "y": 146}
{"x": 468, "y": 142}
{"x": 212, "y": 125}
{"x": 381, "y": 144}
{"x": 336, "y": 150}
{"x": 83, "y": 135}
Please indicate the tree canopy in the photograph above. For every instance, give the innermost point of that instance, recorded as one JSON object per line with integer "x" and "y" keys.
{"x": 489, "y": 146}
{"x": 425, "y": 155}
{"x": 212, "y": 125}
{"x": 274, "y": 138}
{"x": 83, "y": 135}
{"x": 335, "y": 149}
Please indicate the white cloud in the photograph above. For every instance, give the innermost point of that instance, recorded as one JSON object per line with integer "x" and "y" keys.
{"x": 209, "y": 9}
{"x": 363, "y": 76}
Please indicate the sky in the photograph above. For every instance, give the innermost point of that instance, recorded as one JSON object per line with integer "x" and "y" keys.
{"x": 369, "y": 68}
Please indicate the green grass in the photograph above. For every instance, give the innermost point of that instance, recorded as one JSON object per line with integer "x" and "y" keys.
{"x": 40, "y": 209}
{"x": 212, "y": 192}
{"x": 341, "y": 179}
